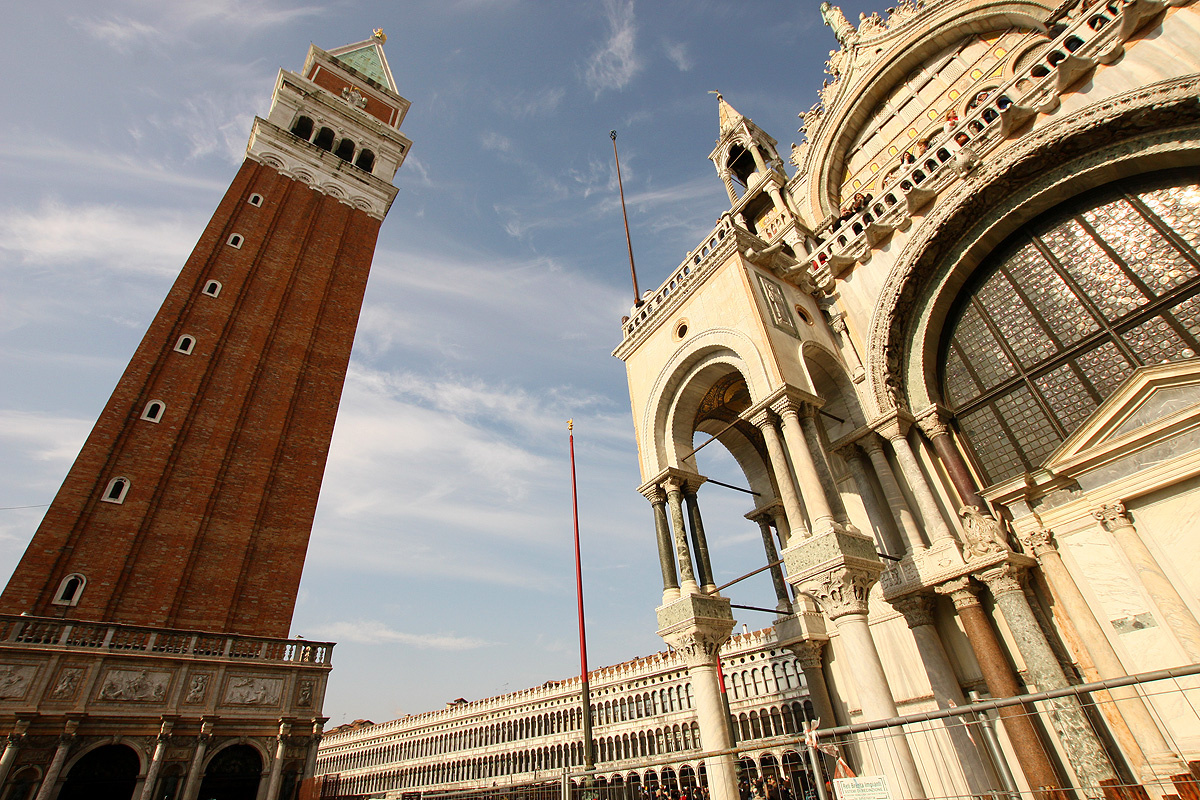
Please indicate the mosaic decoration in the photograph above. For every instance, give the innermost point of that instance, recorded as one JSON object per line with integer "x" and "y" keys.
{"x": 1059, "y": 323}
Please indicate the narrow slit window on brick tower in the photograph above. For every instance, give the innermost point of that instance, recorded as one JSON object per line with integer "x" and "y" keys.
{"x": 154, "y": 410}
{"x": 255, "y": 200}
{"x": 212, "y": 288}
{"x": 236, "y": 240}
{"x": 116, "y": 490}
{"x": 185, "y": 345}
{"x": 69, "y": 590}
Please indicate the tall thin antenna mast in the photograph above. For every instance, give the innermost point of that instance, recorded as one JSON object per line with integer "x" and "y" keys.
{"x": 637, "y": 295}
{"x": 589, "y": 760}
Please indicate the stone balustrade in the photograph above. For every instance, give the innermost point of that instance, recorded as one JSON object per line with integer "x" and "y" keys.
{"x": 95, "y": 637}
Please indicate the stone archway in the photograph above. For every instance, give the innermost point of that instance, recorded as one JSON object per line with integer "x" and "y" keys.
{"x": 233, "y": 774}
{"x": 109, "y": 772}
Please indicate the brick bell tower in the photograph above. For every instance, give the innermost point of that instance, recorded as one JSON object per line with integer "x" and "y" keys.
{"x": 142, "y": 633}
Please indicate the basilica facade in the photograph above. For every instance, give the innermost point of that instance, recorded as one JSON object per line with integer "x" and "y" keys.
{"x": 951, "y": 339}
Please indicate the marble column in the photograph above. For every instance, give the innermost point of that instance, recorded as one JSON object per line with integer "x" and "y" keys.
{"x": 781, "y": 524}
{"x": 1166, "y": 598}
{"x": 699, "y": 542}
{"x": 674, "y": 489}
{"x": 310, "y": 765}
{"x": 783, "y": 603}
{"x": 938, "y": 433}
{"x": 160, "y": 747}
{"x": 662, "y": 534}
{"x": 191, "y": 788}
{"x": 906, "y": 523}
{"x": 816, "y": 446}
{"x": 812, "y": 490}
{"x": 842, "y": 593}
{"x": 765, "y": 422}
{"x": 49, "y": 787}
{"x": 277, "y": 762}
{"x": 1002, "y": 682}
{"x": 918, "y": 611}
{"x": 837, "y": 321}
{"x": 1083, "y": 747}
{"x": 808, "y": 653}
{"x": 889, "y": 541}
{"x": 11, "y": 747}
{"x": 1148, "y": 745}
{"x": 896, "y": 434}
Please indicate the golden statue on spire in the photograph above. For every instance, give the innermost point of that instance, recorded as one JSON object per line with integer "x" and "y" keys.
{"x": 380, "y": 35}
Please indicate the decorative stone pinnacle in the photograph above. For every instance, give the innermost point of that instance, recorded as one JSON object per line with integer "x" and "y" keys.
{"x": 1113, "y": 516}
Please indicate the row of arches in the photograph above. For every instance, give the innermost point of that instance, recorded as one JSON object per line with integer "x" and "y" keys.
{"x": 785, "y": 720}
{"x": 326, "y": 139}
{"x": 669, "y": 739}
{"x": 646, "y": 704}
{"x": 766, "y": 679}
{"x": 546, "y": 724}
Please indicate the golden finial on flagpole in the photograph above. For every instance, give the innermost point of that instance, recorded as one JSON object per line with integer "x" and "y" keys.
{"x": 570, "y": 424}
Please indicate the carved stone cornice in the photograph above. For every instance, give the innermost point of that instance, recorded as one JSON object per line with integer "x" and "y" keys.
{"x": 1057, "y": 152}
{"x": 1113, "y": 516}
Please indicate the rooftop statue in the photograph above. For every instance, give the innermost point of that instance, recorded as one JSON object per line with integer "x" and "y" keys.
{"x": 835, "y": 19}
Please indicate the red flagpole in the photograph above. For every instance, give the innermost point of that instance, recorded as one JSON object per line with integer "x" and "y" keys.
{"x": 589, "y": 761}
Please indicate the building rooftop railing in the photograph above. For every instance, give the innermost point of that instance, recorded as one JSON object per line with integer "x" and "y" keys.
{"x": 99, "y": 636}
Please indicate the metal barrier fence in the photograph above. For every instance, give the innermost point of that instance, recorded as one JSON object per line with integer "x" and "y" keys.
{"x": 959, "y": 752}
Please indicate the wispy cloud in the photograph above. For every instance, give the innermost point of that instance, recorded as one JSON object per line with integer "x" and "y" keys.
{"x": 616, "y": 62}
{"x": 526, "y": 104}
{"x": 372, "y": 632}
{"x": 163, "y": 24}
{"x": 55, "y": 153}
{"x": 126, "y": 239}
{"x": 496, "y": 141}
{"x": 678, "y": 53}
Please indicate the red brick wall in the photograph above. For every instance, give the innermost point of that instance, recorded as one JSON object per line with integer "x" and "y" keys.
{"x": 213, "y": 532}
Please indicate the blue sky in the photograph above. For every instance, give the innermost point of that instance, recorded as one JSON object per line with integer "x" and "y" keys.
{"x": 441, "y": 557}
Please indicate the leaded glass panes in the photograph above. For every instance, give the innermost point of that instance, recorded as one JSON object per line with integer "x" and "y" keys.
{"x": 1050, "y": 295}
{"x": 1055, "y": 326}
{"x": 1154, "y": 341}
{"x": 1143, "y": 249}
{"x": 1034, "y": 433}
{"x": 994, "y": 449}
{"x": 1097, "y": 274}
{"x": 1179, "y": 208}
{"x": 960, "y": 386}
{"x": 1069, "y": 399}
{"x": 990, "y": 363}
{"x": 1019, "y": 327}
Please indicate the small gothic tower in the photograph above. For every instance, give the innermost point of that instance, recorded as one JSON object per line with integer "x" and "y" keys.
{"x": 154, "y": 596}
{"x": 748, "y": 163}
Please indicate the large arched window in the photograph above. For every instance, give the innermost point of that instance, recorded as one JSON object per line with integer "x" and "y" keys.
{"x": 1064, "y": 312}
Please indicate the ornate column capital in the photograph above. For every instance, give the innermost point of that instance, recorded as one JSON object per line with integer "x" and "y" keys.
{"x": 1002, "y": 579}
{"x": 761, "y": 417}
{"x": 871, "y": 443}
{"x": 917, "y": 609}
{"x": 808, "y": 652}
{"x": 837, "y": 321}
{"x": 842, "y": 590}
{"x": 698, "y": 647}
{"x": 961, "y": 591}
{"x": 1113, "y": 516}
{"x": 653, "y": 492}
{"x": 1038, "y": 541}
{"x": 932, "y": 423}
{"x": 849, "y": 451}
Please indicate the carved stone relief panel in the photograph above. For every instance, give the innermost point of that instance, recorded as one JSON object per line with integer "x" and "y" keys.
{"x": 66, "y": 684}
{"x": 249, "y": 690}
{"x": 197, "y": 688}
{"x": 15, "y": 680}
{"x": 138, "y": 685}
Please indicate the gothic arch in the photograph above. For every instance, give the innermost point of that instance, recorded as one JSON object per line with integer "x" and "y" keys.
{"x": 681, "y": 385}
{"x": 1141, "y": 131}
